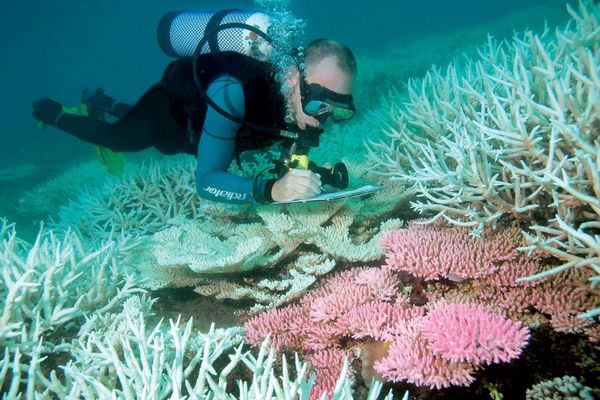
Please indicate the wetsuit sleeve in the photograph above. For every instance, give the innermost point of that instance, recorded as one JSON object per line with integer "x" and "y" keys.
{"x": 216, "y": 150}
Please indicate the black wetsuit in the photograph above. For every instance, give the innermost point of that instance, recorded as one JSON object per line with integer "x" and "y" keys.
{"x": 173, "y": 117}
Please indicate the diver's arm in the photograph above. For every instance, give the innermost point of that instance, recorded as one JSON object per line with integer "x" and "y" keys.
{"x": 216, "y": 150}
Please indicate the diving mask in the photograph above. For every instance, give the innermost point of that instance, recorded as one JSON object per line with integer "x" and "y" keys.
{"x": 320, "y": 102}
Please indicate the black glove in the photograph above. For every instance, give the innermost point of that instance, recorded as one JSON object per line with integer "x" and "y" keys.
{"x": 47, "y": 110}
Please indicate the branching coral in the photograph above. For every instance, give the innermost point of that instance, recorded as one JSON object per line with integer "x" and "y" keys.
{"x": 513, "y": 134}
{"x": 565, "y": 387}
{"x": 487, "y": 269}
{"x": 182, "y": 238}
{"x": 437, "y": 348}
{"x": 318, "y": 326}
{"x": 473, "y": 333}
{"x": 292, "y": 243}
{"x": 74, "y": 326}
{"x": 47, "y": 289}
{"x": 409, "y": 358}
{"x": 140, "y": 203}
{"x": 128, "y": 362}
{"x": 437, "y": 251}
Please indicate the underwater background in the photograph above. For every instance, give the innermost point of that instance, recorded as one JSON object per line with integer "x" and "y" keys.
{"x": 57, "y": 48}
{"x": 93, "y": 262}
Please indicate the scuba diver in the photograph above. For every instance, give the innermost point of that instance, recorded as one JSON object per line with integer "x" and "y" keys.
{"x": 215, "y": 105}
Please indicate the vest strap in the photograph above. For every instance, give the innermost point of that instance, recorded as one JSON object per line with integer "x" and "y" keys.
{"x": 213, "y": 23}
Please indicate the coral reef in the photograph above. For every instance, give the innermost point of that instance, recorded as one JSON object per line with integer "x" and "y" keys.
{"x": 486, "y": 270}
{"x": 354, "y": 307}
{"x": 459, "y": 310}
{"x": 566, "y": 387}
{"x": 44, "y": 201}
{"x": 182, "y": 240}
{"x": 513, "y": 134}
{"x": 152, "y": 224}
{"x": 494, "y": 147}
{"x": 74, "y": 325}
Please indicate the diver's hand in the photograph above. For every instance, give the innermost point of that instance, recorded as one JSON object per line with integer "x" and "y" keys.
{"x": 304, "y": 121}
{"x": 296, "y": 184}
{"x": 47, "y": 110}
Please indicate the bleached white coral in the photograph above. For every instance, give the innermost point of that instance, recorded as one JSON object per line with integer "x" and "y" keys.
{"x": 61, "y": 298}
{"x": 45, "y": 200}
{"x": 225, "y": 243}
{"x": 286, "y": 286}
{"x": 328, "y": 226}
{"x": 187, "y": 244}
{"x": 514, "y": 134}
{"x": 337, "y": 241}
{"x": 141, "y": 202}
{"x": 48, "y": 287}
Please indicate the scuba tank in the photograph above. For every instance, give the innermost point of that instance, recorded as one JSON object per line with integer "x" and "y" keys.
{"x": 196, "y": 32}
{"x": 180, "y": 32}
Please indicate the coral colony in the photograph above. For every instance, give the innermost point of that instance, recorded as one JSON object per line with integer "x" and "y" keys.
{"x": 498, "y": 158}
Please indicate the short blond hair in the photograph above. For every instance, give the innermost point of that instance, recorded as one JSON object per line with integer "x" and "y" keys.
{"x": 321, "y": 48}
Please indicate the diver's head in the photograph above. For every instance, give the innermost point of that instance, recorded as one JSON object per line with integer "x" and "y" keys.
{"x": 323, "y": 87}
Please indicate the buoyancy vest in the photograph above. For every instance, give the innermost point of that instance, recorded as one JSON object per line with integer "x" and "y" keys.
{"x": 263, "y": 101}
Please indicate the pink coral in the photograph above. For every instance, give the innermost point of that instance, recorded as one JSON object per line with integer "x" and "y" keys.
{"x": 319, "y": 336}
{"x": 337, "y": 280}
{"x": 472, "y": 333}
{"x": 510, "y": 299}
{"x": 511, "y": 270}
{"x": 383, "y": 284}
{"x": 328, "y": 365}
{"x": 362, "y": 305}
{"x": 374, "y": 319}
{"x": 570, "y": 323}
{"x": 333, "y": 305}
{"x": 441, "y": 251}
{"x": 409, "y": 358}
{"x": 593, "y": 333}
{"x": 369, "y": 283}
{"x": 319, "y": 327}
{"x": 563, "y": 297}
{"x": 281, "y": 324}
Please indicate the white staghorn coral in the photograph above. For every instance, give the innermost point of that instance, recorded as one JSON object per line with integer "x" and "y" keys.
{"x": 48, "y": 287}
{"x": 142, "y": 202}
{"x": 45, "y": 199}
{"x": 515, "y": 134}
{"x": 54, "y": 282}
{"x": 130, "y": 362}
